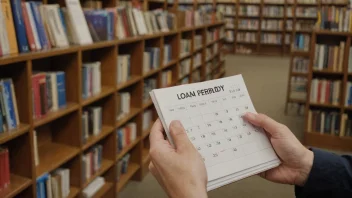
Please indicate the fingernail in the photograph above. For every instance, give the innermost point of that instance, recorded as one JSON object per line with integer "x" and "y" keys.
{"x": 249, "y": 116}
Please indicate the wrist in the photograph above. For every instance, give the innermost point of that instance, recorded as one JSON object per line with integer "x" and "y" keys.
{"x": 307, "y": 163}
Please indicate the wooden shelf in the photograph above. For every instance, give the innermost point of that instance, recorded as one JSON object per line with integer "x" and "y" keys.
{"x": 49, "y": 161}
{"x": 331, "y": 33}
{"x": 170, "y": 63}
{"x": 105, "y": 131}
{"x": 131, "y": 81}
{"x": 133, "y": 112}
{"x": 132, "y": 169}
{"x": 103, "y": 190}
{"x": 17, "y": 185}
{"x": 328, "y": 141}
{"x": 73, "y": 192}
{"x": 299, "y": 74}
{"x": 151, "y": 72}
{"x": 105, "y": 165}
{"x": 12, "y": 134}
{"x": 325, "y": 105}
{"x": 105, "y": 91}
{"x": 185, "y": 56}
{"x": 127, "y": 148}
{"x": 327, "y": 72}
{"x": 70, "y": 107}
{"x": 147, "y": 104}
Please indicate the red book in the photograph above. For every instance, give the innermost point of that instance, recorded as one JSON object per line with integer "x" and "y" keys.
{"x": 36, "y": 95}
{"x": 29, "y": 31}
{"x": 319, "y": 91}
{"x": 327, "y": 95}
{"x": 128, "y": 135}
{"x": 125, "y": 23}
{"x": 7, "y": 168}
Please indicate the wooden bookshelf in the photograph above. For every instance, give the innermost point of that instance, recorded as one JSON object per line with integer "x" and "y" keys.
{"x": 259, "y": 48}
{"x": 59, "y": 133}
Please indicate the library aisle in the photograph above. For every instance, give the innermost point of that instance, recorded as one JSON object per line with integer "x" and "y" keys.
{"x": 266, "y": 79}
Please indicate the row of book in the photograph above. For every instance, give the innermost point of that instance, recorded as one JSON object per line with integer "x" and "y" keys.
{"x": 248, "y": 24}
{"x": 167, "y": 53}
{"x": 188, "y": 16}
{"x": 151, "y": 59}
{"x": 306, "y": 12}
{"x": 149, "y": 85}
{"x": 92, "y": 122}
{"x": 214, "y": 34}
{"x": 147, "y": 119}
{"x": 271, "y": 38}
{"x": 91, "y": 79}
{"x": 126, "y": 135}
{"x": 166, "y": 78}
{"x": 329, "y": 57}
{"x": 185, "y": 67}
{"x": 325, "y": 91}
{"x": 249, "y": 10}
{"x": 306, "y": 25}
{"x": 226, "y": 9}
{"x": 324, "y": 122}
{"x": 4, "y": 169}
{"x": 335, "y": 19}
{"x": 273, "y": 11}
{"x": 298, "y": 90}
{"x": 48, "y": 92}
{"x": 123, "y": 68}
{"x": 247, "y": 37}
{"x": 300, "y": 65}
{"x": 198, "y": 41}
{"x": 197, "y": 60}
{"x": 8, "y": 106}
{"x": 185, "y": 47}
{"x": 91, "y": 162}
{"x": 122, "y": 166}
{"x": 301, "y": 42}
{"x": 123, "y": 104}
{"x": 346, "y": 126}
{"x": 272, "y": 25}
{"x": 54, "y": 185}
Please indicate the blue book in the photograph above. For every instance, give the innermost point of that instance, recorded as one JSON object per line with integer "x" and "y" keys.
{"x": 38, "y": 190}
{"x": 22, "y": 41}
{"x": 1, "y": 122}
{"x": 41, "y": 180}
{"x": 100, "y": 24}
{"x": 39, "y": 24}
{"x": 110, "y": 19}
{"x": 61, "y": 89}
{"x": 350, "y": 96}
{"x": 120, "y": 138}
{"x": 9, "y": 103}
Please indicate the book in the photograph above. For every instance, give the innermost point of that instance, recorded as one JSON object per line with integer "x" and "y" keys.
{"x": 4, "y": 42}
{"x": 325, "y": 91}
{"x": 329, "y": 57}
{"x": 38, "y": 22}
{"x": 126, "y": 135}
{"x": 123, "y": 68}
{"x": 93, "y": 187}
{"x": 185, "y": 68}
{"x": 33, "y": 27}
{"x": 123, "y": 105}
{"x": 166, "y": 78}
{"x": 149, "y": 84}
{"x": 19, "y": 26}
{"x": 324, "y": 122}
{"x": 9, "y": 103}
{"x": 91, "y": 161}
{"x": 225, "y": 101}
{"x": 298, "y": 89}
{"x": 91, "y": 79}
{"x": 10, "y": 28}
{"x": 147, "y": 119}
{"x": 4, "y": 168}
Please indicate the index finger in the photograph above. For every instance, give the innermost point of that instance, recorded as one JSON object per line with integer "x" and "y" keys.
{"x": 156, "y": 133}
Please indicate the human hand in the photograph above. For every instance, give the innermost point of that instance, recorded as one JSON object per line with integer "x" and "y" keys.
{"x": 296, "y": 160}
{"x": 180, "y": 170}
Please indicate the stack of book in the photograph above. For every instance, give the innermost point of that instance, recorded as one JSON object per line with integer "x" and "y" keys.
{"x": 329, "y": 57}
{"x": 324, "y": 122}
{"x": 8, "y": 106}
{"x": 147, "y": 119}
{"x": 197, "y": 60}
{"x": 49, "y": 92}
{"x": 101, "y": 24}
{"x": 248, "y": 24}
{"x": 212, "y": 35}
{"x": 346, "y": 126}
{"x": 348, "y": 100}
{"x": 272, "y": 24}
{"x": 273, "y": 11}
{"x": 126, "y": 135}
{"x": 151, "y": 59}
{"x": 301, "y": 42}
{"x": 196, "y": 76}
{"x": 325, "y": 91}
{"x": 247, "y": 37}
{"x": 188, "y": 17}
{"x": 149, "y": 85}
{"x": 56, "y": 184}
{"x": 300, "y": 65}
{"x": 271, "y": 38}
{"x": 166, "y": 78}
{"x": 91, "y": 161}
{"x": 249, "y": 10}
{"x": 185, "y": 67}
{"x": 167, "y": 53}
{"x": 92, "y": 122}
{"x": 198, "y": 41}
{"x": 306, "y": 12}
{"x": 298, "y": 88}
{"x": 122, "y": 166}
{"x": 123, "y": 104}
{"x": 4, "y": 169}
{"x": 91, "y": 79}
{"x": 335, "y": 19}
{"x": 123, "y": 68}
{"x": 185, "y": 47}
{"x": 93, "y": 187}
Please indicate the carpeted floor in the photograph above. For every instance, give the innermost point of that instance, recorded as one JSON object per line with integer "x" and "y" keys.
{"x": 266, "y": 79}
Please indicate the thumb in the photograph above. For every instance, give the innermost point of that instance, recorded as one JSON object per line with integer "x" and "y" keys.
{"x": 274, "y": 128}
{"x": 179, "y": 135}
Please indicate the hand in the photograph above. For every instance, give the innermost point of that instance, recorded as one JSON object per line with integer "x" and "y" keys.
{"x": 180, "y": 170}
{"x": 296, "y": 160}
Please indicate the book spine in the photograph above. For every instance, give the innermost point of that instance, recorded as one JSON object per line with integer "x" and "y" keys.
{"x": 33, "y": 26}
{"x": 19, "y": 26}
{"x": 11, "y": 33}
{"x": 61, "y": 89}
{"x": 42, "y": 95}
{"x": 28, "y": 28}
{"x": 9, "y": 105}
{"x": 36, "y": 96}
{"x": 49, "y": 90}
{"x": 40, "y": 26}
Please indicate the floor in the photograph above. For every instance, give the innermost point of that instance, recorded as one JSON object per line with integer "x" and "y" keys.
{"x": 266, "y": 79}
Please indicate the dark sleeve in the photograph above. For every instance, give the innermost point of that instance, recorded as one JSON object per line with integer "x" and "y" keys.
{"x": 331, "y": 176}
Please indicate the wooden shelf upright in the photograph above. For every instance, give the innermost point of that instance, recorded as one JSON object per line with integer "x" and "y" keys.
{"x": 59, "y": 133}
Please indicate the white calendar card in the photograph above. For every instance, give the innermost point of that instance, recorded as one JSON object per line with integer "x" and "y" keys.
{"x": 211, "y": 113}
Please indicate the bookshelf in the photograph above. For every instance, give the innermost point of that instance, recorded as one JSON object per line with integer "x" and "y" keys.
{"x": 59, "y": 133}
{"x": 293, "y": 17}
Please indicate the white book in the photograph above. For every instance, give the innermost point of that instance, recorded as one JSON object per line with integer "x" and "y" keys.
{"x": 119, "y": 69}
{"x": 147, "y": 22}
{"x": 146, "y": 62}
{"x": 323, "y": 92}
{"x": 93, "y": 187}
{"x": 55, "y": 98}
{"x": 97, "y": 77}
{"x": 55, "y": 188}
{"x": 55, "y": 25}
{"x": 154, "y": 22}
{"x": 45, "y": 19}
{"x": 71, "y": 36}
{"x": 4, "y": 41}
{"x": 120, "y": 28}
{"x": 38, "y": 46}
{"x": 232, "y": 157}
{"x": 124, "y": 68}
{"x": 321, "y": 57}
{"x": 131, "y": 22}
{"x": 62, "y": 176}
{"x": 322, "y": 122}
{"x": 143, "y": 22}
{"x": 67, "y": 182}
{"x": 49, "y": 191}
{"x": 79, "y": 23}
{"x": 139, "y": 23}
